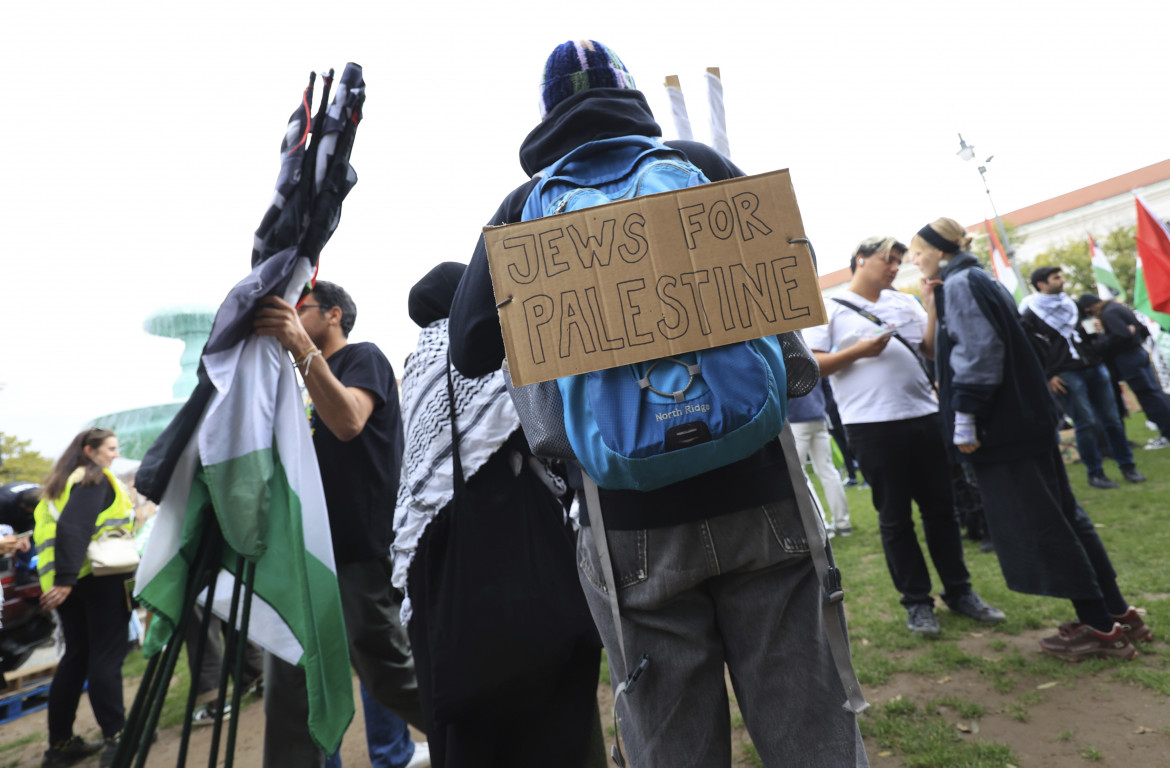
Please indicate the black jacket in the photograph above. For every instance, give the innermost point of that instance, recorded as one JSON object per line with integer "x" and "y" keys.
{"x": 477, "y": 346}
{"x": 1053, "y": 350}
{"x": 1118, "y": 338}
{"x": 986, "y": 366}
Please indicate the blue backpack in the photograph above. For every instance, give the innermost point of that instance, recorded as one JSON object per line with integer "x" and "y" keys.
{"x": 651, "y": 424}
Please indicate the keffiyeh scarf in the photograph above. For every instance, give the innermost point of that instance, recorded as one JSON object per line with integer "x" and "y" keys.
{"x": 486, "y": 419}
{"x": 1059, "y": 312}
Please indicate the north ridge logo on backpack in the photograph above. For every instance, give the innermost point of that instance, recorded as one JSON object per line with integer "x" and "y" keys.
{"x": 651, "y": 424}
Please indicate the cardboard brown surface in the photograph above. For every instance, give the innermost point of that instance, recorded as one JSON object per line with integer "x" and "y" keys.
{"x": 652, "y": 277}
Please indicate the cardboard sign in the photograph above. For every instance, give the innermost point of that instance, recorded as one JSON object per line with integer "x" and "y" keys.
{"x": 652, "y": 277}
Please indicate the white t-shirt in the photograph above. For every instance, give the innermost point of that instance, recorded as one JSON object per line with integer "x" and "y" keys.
{"x": 891, "y": 386}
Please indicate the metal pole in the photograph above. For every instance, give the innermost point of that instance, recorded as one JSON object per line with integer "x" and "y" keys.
{"x": 1007, "y": 245}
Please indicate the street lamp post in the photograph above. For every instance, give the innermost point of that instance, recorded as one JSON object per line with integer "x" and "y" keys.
{"x": 967, "y": 152}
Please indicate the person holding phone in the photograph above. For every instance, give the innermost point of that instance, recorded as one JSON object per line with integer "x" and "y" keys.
{"x": 872, "y": 348}
{"x": 11, "y": 542}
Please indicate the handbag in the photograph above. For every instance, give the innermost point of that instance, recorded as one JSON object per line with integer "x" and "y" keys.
{"x": 503, "y": 609}
{"x": 112, "y": 552}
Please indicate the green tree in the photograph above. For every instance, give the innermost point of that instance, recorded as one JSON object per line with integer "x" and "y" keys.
{"x": 1075, "y": 261}
{"x": 1120, "y": 247}
{"x": 20, "y": 462}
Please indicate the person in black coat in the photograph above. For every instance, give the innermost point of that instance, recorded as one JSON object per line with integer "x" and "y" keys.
{"x": 1121, "y": 344}
{"x": 995, "y": 402}
{"x": 758, "y": 612}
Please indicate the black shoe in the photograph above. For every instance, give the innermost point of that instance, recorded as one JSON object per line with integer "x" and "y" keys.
{"x": 109, "y": 749}
{"x": 69, "y": 752}
{"x": 972, "y": 606}
{"x": 1132, "y": 475}
{"x": 920, "y": 619}
{"x": 1098, "y": 480}
{"x": 986, "y": 545}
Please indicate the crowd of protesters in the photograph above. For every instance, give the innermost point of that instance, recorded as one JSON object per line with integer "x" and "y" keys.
{"x": 477, "y": 611}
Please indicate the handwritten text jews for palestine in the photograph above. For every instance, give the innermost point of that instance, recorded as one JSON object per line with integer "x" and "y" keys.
{"x": 653, "y": 276}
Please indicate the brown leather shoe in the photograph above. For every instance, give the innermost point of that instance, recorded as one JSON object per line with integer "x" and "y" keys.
{"x": 1135, "y": 626}
{"x": 1077, "y": 642}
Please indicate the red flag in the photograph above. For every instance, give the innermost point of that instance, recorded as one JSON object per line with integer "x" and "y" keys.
{"x": 1005, "y": 273}
{"x": 1153, "y": 248}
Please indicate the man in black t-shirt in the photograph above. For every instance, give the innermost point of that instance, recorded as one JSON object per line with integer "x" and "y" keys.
{"x": 357, "y": 434}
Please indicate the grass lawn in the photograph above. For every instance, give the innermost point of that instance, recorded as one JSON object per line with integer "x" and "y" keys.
{"x": 1134, "y": 522}
{"x": 1013, "y": 702}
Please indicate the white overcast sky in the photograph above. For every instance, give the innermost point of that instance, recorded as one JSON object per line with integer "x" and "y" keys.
{"x": 142, "y": 139}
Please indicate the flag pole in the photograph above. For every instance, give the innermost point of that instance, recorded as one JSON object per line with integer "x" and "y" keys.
{"x": 192, "y": 693}
{"x": 678, "y": 108}
{"x": 249, "y": 579}
{"x": 718, "y": 115}
{"x": 967, "y": 152}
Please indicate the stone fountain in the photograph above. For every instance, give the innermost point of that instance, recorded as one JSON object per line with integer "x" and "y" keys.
{"x": 137, "y": 428}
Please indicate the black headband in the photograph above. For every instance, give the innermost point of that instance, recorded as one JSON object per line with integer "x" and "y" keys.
{"x": 937, "y": 240}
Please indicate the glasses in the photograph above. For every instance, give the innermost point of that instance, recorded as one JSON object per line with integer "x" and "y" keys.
{"x": 322, "y": 307}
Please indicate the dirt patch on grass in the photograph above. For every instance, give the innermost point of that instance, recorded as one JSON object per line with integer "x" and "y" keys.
{"x": 163, "y": 754}
{"x": 1087, "y": 716}
{"x": 1082, "y": 717}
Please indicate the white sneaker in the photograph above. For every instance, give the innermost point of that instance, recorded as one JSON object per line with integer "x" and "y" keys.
{"x": 1157, "y": 442}
{"x": 422, "y": 755}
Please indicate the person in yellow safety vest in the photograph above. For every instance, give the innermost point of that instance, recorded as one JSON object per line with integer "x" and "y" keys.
{"x": 80, "y": 499}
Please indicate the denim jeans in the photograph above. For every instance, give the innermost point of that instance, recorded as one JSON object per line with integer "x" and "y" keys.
{"x": 388, "y": 741}
{"x": 1089, "y": 400}
{"x": 1134, "y": 366}
{"x": 379, "y": 651}
{"x": 736, "y": 591}
{"x": 905, "y": 461}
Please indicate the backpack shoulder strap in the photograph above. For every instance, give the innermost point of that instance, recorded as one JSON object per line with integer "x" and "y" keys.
{"x": 867, "y": 315}
{"x": 628, "y": 677}
{"x": 878, "y": 321}
{"x": 832, "y": 592}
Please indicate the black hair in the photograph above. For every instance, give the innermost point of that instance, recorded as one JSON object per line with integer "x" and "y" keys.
{"x": 330, "y": 295}
{"x": 1041, "y": 275}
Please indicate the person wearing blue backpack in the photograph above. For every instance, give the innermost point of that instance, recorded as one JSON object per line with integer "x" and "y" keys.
{"x": 715, "y": 570}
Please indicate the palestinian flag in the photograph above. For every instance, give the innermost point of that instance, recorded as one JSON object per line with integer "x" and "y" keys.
{"x": 1141, "y": 299}
{"x": 251, "y": 469}
{"x": 1108, "y": 286}
{"x": 239, "y": 455}
{"x": 1153, "y": 260}
{"x": 1005, "y": 273}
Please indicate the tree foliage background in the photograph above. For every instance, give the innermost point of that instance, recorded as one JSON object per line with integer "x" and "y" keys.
{"x": 20, "y": 461}
{"x": 1074, "y": 260}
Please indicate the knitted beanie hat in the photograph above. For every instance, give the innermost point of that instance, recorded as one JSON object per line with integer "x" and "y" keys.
{"x": 576, "y": 66}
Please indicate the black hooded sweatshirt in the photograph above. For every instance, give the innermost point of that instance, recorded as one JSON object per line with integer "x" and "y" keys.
{"x": 477, "y": 344}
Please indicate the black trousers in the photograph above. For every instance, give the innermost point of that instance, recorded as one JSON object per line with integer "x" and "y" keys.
{"x": 837, "y": 430}
{"x": 906, "y": 461}
{"x": 94, "y": 620}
